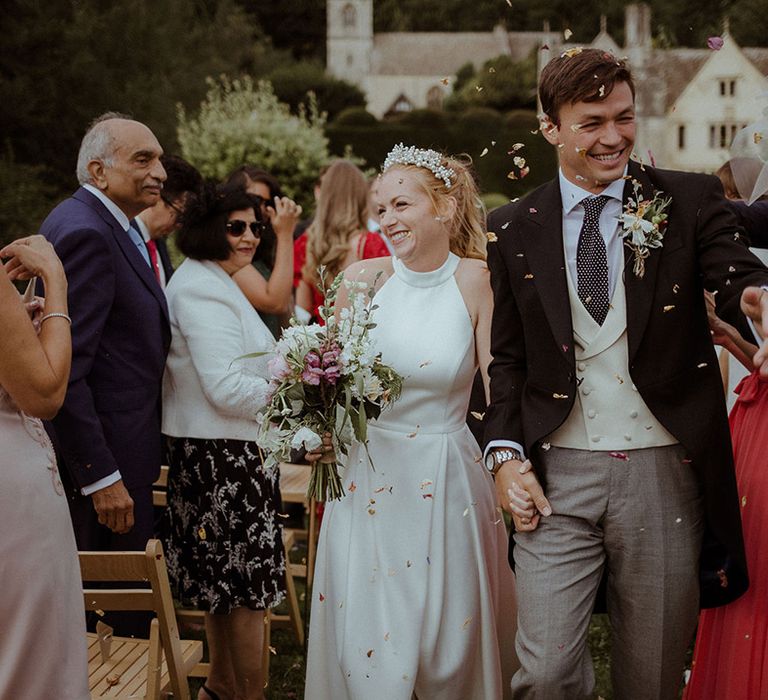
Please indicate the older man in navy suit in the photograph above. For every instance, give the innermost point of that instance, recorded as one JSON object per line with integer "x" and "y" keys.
{"x": 107, "y": 433}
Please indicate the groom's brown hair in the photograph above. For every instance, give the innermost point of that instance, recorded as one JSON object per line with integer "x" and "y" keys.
{"x": 580, "y": 75}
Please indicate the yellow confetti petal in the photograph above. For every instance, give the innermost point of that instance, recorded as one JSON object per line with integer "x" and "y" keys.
{"x": 669, "y": 307}
{"x": 757, "y": 137}
{"x": 477, "y": 415}
{"x": 201, "y": 533}
{"x": 492, "y": 237}
{"x": 559, "y": 396}
{"x": 567, "y": 34}
{"x": 445, "y": 81}
{"x": 743, "y": 501}
{"x": 529, "y": 276}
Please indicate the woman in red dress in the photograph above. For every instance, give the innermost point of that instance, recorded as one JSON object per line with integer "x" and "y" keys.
{"x": 337, "y": 237}
{"x": 731, "y": 655}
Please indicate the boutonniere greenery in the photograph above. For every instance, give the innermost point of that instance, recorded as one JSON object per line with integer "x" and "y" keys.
{"x": 643, "y": 224}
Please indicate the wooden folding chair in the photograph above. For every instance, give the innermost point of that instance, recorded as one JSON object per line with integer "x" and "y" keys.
{"x": 120, "y": 667}
{"x": 294, "y": 481}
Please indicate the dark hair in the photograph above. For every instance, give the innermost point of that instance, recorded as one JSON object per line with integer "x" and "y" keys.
{"x": 203, "y": 232}
{"x": 182, "y": 177}
{"x": 242, "y": 177}
{"x": 588, "y": 75}
{"x": 245, "y": 173}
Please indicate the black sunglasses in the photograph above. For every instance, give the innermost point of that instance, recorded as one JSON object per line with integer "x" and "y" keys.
{"x": 237, "y": 227}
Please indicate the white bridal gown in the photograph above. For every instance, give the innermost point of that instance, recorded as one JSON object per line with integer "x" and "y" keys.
{"x": 412, "y": 592}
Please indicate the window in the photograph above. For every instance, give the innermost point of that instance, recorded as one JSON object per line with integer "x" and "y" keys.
{"x": 728, "y": 87}
{"x": 681, "y": 137}
{"x": 435, "y": 97}
{"x": 721, "y": 135}
{"x": 349, "y": 16}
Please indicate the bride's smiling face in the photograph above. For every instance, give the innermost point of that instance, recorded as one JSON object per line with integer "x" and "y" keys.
{"x": 408, "y": 218}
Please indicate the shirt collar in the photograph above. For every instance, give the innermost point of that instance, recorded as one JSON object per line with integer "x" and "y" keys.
{"x": 572, "y": 194}
{"x": 112, "y": 208}
{"x": 143, "y": 228}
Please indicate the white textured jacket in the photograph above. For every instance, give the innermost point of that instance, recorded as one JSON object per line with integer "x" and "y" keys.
{"x": 207, "y": 391}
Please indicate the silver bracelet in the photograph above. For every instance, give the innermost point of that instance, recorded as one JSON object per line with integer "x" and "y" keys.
{"x": 56, "y": 314}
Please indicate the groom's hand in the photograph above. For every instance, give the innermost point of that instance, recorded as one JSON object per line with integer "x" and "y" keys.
{"x": 521, "y": 495}
{"x": 754, "y": 304}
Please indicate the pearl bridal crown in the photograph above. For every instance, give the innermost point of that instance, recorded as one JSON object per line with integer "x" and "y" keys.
{"x": 421, "y": 157}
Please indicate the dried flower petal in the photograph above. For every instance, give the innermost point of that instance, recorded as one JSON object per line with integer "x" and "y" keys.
{"x": 477, "y": 415}
{"x": 559, "y": 396}
{"x": 715, "y": 43}
{"x": 669, "y": 307}
{"x": 492, "y": 237}
{"x": 619, "y": 455}
{"x": 567, "y": 34}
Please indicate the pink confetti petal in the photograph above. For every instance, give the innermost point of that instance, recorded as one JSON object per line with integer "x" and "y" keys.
{"x": 715, "y": 43}
{"x": 619, "y": 455}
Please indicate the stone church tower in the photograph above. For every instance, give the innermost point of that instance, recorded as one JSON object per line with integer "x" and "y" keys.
{"x": 350, "y": 39}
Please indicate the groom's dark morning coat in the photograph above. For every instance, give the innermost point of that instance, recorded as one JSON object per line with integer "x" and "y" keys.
{"x": 110, "y": 419}
{"x": 672, "y": 360}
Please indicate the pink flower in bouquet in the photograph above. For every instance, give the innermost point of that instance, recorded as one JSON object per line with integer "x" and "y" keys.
{"x": 332, "y": 373}
{"x": 311, "y": 359}
{"x": 278, "y": 367}
{"x": 312, "y": 375}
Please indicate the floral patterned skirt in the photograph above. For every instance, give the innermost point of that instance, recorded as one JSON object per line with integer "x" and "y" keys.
{"x": 221, "y": 530}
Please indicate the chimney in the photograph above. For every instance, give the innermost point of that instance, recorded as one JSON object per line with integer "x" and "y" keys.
{"x": 637, "y": 26}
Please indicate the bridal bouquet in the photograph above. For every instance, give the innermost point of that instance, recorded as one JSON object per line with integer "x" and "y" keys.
{"x": 326, "y": 379}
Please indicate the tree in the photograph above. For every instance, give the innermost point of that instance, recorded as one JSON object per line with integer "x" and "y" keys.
{"x": 293, "y": 82}
{"x": 501, "y": 84}
{"x": 242, "y": 122}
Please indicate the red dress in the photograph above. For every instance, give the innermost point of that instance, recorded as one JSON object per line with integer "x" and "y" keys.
{"x": 731, "y": 656}
{"x": 370, "y": 246}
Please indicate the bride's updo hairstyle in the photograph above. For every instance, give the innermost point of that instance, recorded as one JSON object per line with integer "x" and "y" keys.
{"x": 441, "y": 177}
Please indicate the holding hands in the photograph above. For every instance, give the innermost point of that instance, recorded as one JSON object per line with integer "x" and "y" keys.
{"x": 521, "y": 495}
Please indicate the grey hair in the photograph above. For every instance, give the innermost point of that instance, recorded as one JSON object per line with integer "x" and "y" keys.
{"x": 97, "y": 144}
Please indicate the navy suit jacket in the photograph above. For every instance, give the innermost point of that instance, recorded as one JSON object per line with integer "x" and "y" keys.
{"x": 110, "y": 419}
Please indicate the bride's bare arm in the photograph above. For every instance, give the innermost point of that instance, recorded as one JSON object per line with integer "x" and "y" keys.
{"x": 34, "y": 368}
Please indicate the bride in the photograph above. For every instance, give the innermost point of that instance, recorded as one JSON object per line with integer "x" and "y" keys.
{"x": 412, "y": 592}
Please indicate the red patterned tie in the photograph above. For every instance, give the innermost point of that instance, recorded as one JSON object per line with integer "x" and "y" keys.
{"x": 152, "y": 248}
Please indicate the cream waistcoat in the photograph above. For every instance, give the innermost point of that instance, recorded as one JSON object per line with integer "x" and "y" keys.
{"x": 609, "y": 413}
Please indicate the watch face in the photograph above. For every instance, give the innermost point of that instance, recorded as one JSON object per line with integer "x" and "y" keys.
{"x": 490, "y": 462}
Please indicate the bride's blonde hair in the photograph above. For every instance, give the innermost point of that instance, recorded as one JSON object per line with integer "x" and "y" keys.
{"x": 342, "y": 211}
{"x": 467, "y": 235}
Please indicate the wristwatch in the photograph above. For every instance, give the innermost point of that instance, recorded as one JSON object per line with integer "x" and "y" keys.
{"x": 495, "y": 458}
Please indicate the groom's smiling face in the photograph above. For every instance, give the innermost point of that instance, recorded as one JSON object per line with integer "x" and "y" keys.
{"x": 595, "y": 139}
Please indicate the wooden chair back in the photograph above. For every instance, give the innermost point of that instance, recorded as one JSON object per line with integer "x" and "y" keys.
{"x": 147, "y": 567}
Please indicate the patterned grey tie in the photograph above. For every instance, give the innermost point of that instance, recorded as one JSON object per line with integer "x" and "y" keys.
{"x": 592, "y": 262}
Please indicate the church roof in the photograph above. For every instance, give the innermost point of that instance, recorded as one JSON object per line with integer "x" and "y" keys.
{"x": 443, "y": 53}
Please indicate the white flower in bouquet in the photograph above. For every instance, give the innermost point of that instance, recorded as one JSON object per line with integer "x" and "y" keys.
{"x": 327, "y": 379}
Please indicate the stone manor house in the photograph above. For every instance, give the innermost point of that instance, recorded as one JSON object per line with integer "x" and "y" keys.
{"x": 690, "y": 102}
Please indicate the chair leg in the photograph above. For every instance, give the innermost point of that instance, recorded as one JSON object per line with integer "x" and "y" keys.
{"x": 154, "y": 662}
{"x": 293, "y": 603}
{"x": 267, "y": 646}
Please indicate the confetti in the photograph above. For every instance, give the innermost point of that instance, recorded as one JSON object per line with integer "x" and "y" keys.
{"x": 113, "y": 680}
{"x": 371, "y": 511}
{"x": 386, "y": 637}
{"x": 425, "y": 483}
{"x": 369, "y": 653}
{"x": 723, "y": 578}
{"x": 484, "y": 153}
{"x": 491, "y": 70}
{"x": 322, "y": 597}
{"x": 426, "y": 495}
{"x": 426, "y": 363}
{"x": 678, "y": 520}
{"x": 669, "y": 307}
{"x": 701, "y": 364}
{"x": 546, "y": 446}
{"x": 201, "y": 533}
{"x": 601, "y": 91}
{"x": 516, "y": 147}
{"x": 565, "y": 348}
{"x": 519, "y": 255}
{"x": 532, "y": 210}
{"x": 575, "y": 128}
{"x": 757, "y": 137}
{"x": 559, "y": 396}
{"x": 715, "y": 43}
{"x": 492, "y": 237}
{"x": 676, "y": 289}
{"x": 504, "y": 226}
{"x": 619, "y": 379}
{"x": 731, "y": 268}
{"x": 529, "y": 276}
{"x": 408, "y": 564}
{"x": 581, "y": 152}
{"x": 570, "y": 53}
{"x": 352, "y": 487}
{"x": 445, "y": 81}
{"x": 477, "y": 415}
{"x": 567, "y": 34}
{"x": 519, "y": 161}
{"x": 743, "y": 501}
{"x": 467, "y": 623}
{"x": 479, "y": 88}
{"x": 619, "y": 455}
{"x": 383, "y": 488}
{"x": 414, "y": 433}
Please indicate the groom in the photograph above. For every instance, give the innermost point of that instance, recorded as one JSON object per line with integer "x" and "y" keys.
{"x": 605, "y": 377}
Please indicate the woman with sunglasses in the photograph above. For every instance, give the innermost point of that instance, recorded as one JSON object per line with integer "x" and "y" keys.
{"x": 222, "y": 534}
